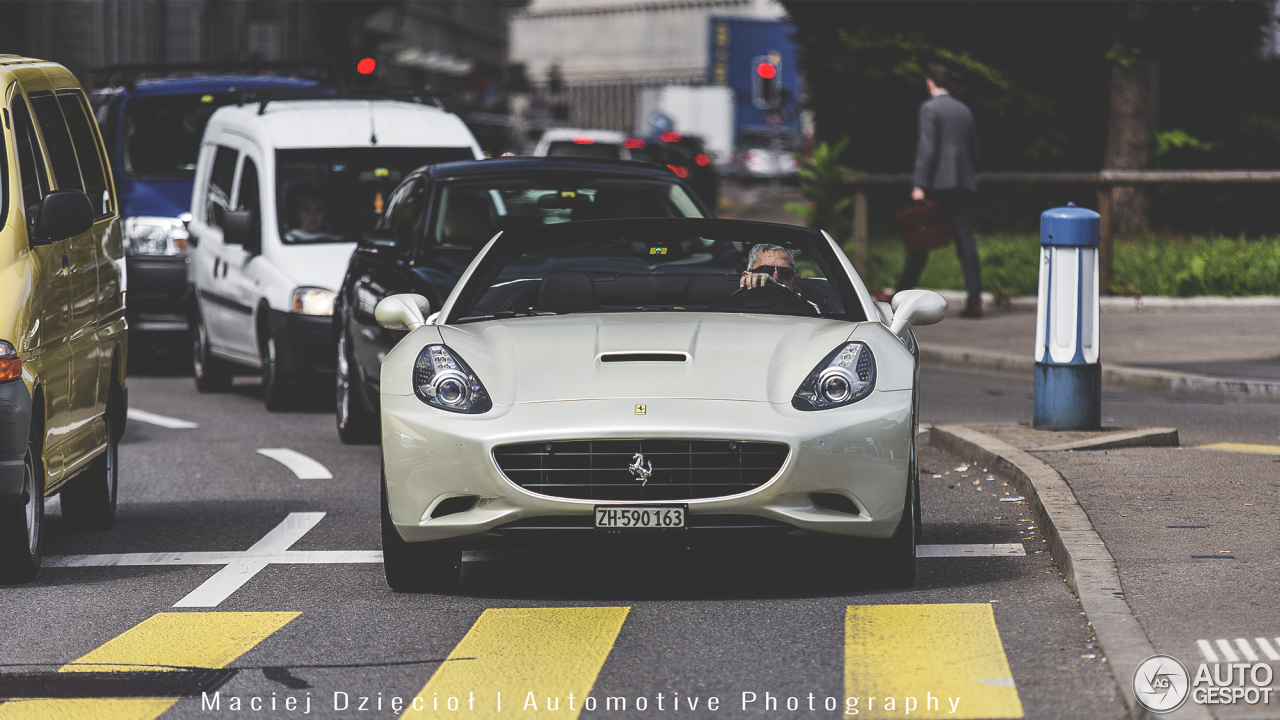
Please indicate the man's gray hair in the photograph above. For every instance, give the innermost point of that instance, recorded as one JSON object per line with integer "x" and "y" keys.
{"x": 755, "y": 253}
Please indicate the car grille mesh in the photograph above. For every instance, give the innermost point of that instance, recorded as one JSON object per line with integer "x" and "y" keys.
{"x": 682, "y": 469}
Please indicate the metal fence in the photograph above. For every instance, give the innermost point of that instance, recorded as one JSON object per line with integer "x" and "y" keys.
{"x": 1103, "y": 180}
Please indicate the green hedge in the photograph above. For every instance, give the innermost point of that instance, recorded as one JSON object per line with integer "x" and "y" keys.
{"x": 1148, "y": 265}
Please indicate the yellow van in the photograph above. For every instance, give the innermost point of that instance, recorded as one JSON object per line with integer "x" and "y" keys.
{"x": 63, "y": 345}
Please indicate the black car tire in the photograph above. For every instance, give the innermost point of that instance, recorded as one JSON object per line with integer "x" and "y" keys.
{"x": 416, "y": 567}
{"x": 894, "y": 559}
{"x": 356, "y": 425}
{"x": 277, "y": 392}
{"x": 89, "y": 500}
{"x": 211, "y": 374}
{"x": 21, "y": 522}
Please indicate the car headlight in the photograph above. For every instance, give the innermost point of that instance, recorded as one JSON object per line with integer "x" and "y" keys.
{"x": 442, "y": 380}
{"x": 312, "y": 301}
{"x": 155, "y": 236}
{"x": 845, "y": 376}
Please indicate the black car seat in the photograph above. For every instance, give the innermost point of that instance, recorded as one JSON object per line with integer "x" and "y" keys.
{"x": 567, "y": 291}
{"x": 467, "y": 221}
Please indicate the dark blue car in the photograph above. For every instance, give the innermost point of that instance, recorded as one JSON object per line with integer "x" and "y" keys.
{"x": 152, "y": 130}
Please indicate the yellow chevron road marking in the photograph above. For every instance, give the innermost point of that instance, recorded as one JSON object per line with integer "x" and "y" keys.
{"x": 1241, "y": 447}
{"x": 532, "y": 657}
{"x": 936, "y": 661}
{"x": 167, "y": 641}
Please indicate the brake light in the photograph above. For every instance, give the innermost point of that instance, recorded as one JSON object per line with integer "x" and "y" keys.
{"x": 633, "y": 143}
{"x": 583, "y": 140}
{"x": 669, "y": 136}
{"x": 10, "y": 363}
{"x": 702, "y": 160}
{"x": 680, "y": 172}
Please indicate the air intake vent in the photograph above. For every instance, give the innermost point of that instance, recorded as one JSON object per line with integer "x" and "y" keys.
{"x": 641, "y": 470}
{"x": 453, "y": 506}
{"x": 643, "y": 357}
{"x": 835, "y": 502}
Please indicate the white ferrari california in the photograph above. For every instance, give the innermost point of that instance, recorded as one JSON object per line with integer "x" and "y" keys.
{"x": 652, "y": 380}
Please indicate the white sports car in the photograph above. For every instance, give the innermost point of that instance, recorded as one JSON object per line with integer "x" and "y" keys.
{"x": 624, "y": 379}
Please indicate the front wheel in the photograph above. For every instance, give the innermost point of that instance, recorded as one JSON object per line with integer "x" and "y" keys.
{"x": 89, "y": 501}
{"x": 356, "y": 425}
{"x": 211, "y": 374}
{"x": 895, "y": 558}
{"x": 21, "y": 521}
{"x": 277, "y": 393}
{"x": 416, "y": 567}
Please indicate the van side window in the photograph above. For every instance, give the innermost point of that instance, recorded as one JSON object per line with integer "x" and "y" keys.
{"x": 404, "y": 212}
{"x": 249, "y": 195}
{"x": 34, "y": 182}
{"x": 224, "y": 171}
{"x": 76, "y": 108}
{"x": 57, "y": 141}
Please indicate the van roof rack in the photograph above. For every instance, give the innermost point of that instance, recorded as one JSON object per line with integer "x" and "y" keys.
{"x": 130, "y": 75}
{"x": 264, "y": 96}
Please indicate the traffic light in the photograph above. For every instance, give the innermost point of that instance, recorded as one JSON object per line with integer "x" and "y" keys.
{"x": 766, "y": 88}
{"x": 366, "y": 66}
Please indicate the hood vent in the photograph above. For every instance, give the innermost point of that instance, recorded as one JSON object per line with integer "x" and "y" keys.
{"x": 644, "y": 357}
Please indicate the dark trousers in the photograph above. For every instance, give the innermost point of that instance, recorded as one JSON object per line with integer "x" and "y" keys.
{"x": 955, "y": 207}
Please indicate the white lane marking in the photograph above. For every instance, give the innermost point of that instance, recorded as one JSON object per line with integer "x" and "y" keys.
{"x": 241, "y": 570}
{"x": 301, "y": 465}
{"x": 961, "y": 550}
{"x": 1267, "y": 650}
{"x": 1247, "y": 650}
{"x": 163, "y": 421}
{"x": 1207, "y": 650}
{"x": 1224, "y": 647}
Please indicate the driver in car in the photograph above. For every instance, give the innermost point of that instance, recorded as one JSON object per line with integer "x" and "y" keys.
{"x": 774, "y": 264}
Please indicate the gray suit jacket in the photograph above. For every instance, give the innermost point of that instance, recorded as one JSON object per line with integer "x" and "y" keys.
{"x": 948, "y": 146}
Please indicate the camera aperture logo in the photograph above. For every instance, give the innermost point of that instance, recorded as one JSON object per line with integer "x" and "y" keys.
{"x": 1161, "y": 683}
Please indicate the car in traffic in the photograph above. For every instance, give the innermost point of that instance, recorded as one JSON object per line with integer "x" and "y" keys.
{"x": 435, "y": 223}
{"x": 556, "y": 142}
{"x": 284, "y": 188}
{"x": 151, "y": 119}
{"x": 685, "y": 155}
{"x": 765, "y": 156}
{"x": 630, "y": 380}
{"x": 63, "y": 333}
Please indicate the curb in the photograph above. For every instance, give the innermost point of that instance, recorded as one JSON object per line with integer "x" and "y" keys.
{"x": 1113, "y": 376}
{"x": 1083, "y": 558}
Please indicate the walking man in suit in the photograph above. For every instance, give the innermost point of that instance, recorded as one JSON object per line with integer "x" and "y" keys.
{"x": 944, "y": 173}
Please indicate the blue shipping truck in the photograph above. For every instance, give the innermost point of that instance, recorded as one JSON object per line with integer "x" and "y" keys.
{"x": 757, "y": 59}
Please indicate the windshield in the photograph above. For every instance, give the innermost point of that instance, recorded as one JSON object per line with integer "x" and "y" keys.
{"x": 593, "y": 149}
{"x": 658, "y": 266}
{"x": 469, "y": 212}
{"x": 162, "y": 134}
{"x": 335, "y": 194}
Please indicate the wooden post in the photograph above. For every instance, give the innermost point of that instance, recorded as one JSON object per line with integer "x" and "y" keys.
{"x": 1104, "y": 241}
{"x": 861, "y": 231}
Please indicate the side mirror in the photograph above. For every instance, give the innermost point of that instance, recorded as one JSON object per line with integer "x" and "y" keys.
{"x": 62, "y": 214}
{"x": 240, "y": 227}
{"x": 916, "y": 307}
{"x": 379, "y": 240}
{"x": 402, "y": 312}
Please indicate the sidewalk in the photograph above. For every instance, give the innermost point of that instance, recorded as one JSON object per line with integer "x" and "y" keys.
{"x": 1223, "y": 346}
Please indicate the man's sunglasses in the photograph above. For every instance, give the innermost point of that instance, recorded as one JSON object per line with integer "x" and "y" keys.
{"x": 784, "y": 273}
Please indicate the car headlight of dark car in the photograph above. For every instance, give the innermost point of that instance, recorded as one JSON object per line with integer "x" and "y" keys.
{"x": 441, "y": 379}
{"x": 845, "y": 376}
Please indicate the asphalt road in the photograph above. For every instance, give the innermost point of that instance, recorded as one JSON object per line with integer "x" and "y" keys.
{"x": 1002, "y": 636}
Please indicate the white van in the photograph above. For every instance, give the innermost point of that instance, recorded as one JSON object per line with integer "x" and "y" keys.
{"x": 283, "y": 190}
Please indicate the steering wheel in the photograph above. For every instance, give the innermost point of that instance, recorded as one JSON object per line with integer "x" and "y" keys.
{"x": 769, "y": 297}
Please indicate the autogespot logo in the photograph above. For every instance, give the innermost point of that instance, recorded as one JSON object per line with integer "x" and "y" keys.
{"x": 1161, "y": 683}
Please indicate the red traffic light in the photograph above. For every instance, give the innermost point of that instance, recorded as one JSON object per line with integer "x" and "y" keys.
{"x": 366, "y": 66}
{"x": 766, "y": 71}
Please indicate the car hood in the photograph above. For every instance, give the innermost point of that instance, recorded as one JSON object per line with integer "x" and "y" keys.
{"x": 720, "y": 356}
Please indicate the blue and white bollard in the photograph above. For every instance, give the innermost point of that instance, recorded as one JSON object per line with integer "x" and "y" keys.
{"x": 1068, "y": 379}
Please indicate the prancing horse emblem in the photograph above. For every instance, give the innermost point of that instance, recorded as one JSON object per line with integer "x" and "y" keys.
{"x": 640, "y": 469}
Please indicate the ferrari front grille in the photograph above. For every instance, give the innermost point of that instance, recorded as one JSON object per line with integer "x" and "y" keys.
{"x": 645, "y": 470}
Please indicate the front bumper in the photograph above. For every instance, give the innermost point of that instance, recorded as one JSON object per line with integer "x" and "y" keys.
{"x": 305, "y": 345}
{"x": 158, "y": 293}
{"x": 15, "y": 428}
{"x": 861, "y": 451}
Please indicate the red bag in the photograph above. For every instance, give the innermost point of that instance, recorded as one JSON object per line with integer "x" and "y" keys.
{"x": 923, "y": 227}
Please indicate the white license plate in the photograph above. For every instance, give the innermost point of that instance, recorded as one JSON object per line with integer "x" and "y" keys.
{"x": 640, "y": 517}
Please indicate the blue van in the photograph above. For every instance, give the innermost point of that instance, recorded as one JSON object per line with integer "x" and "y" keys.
{"x": 152, "y": 130}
